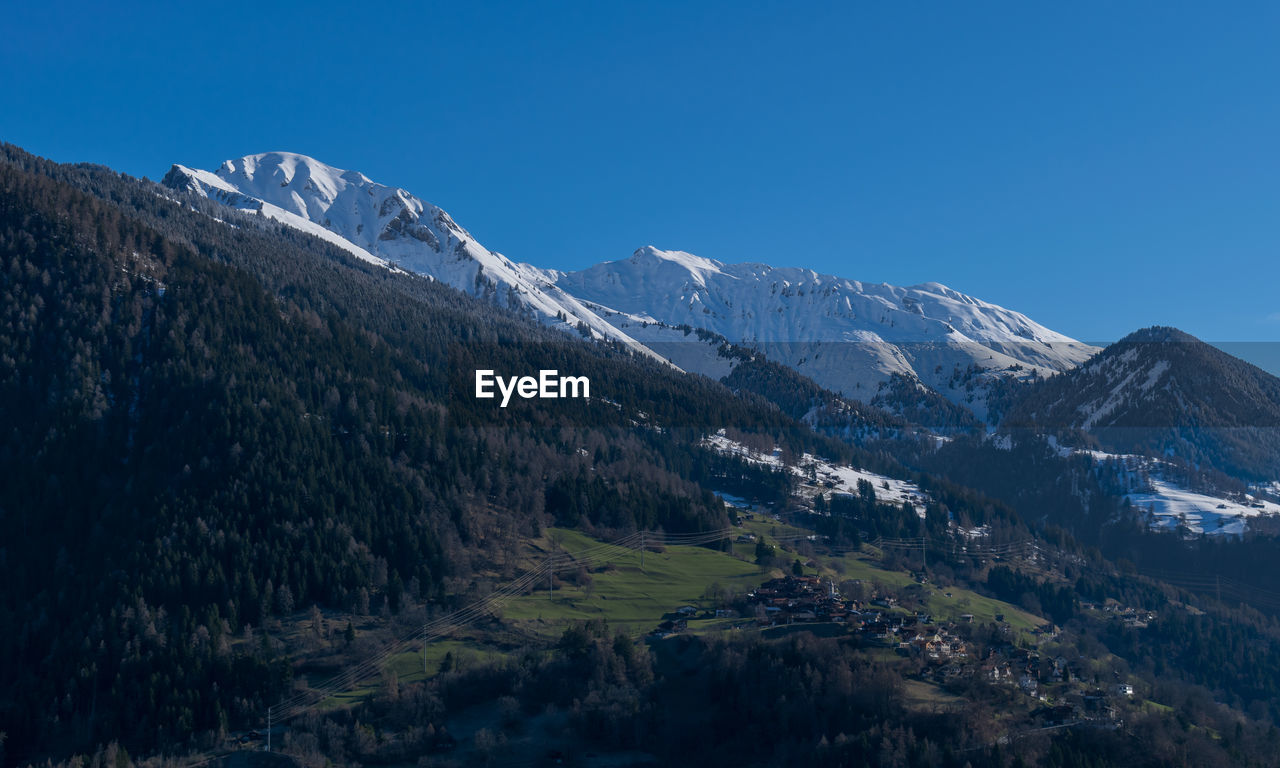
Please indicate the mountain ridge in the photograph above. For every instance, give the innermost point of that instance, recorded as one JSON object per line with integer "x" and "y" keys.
{"x": 1160, "y": 390}
{"x": 849, "y": 336}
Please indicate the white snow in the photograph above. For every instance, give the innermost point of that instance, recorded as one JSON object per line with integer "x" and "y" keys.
{"x": 830, "y": 477}
{"x": 723, "y": 444}
{"x": 1169, "y": 505}
{"x": 846, "y": 335}
{"x": 1154, "y": 375}
{"x": 1123, "y": 376}
{"x": 737, "y": 502}
{"x": 390, "y": 226}
{"x": 846, "y": 481}
{"x": 1272, "y": 488}
{"x": 209, "y": 185}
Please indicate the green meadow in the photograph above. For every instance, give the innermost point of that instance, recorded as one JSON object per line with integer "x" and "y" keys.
{"x": 627, "y": 594}
{"x": 635, "y": 596}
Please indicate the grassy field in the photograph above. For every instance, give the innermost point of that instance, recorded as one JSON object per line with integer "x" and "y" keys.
{"x": 865, "y": 566}
{"x": 626, "y": 595}
{"x": 636, "y": 599}
{"x": 943, "y": 608}
{"x": 984, "y": 609}
{"x": 923, "y": 696}
{"x": 408, "y": 668}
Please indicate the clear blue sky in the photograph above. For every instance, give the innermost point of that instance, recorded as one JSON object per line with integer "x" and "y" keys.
{"x": 1099, "y": 166}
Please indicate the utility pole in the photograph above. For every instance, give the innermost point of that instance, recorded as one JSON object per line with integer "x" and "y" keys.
{"x": 551, "y": 582}
{"x": 424, "y": 651}
{"x": 642, "y": 550}
{"x": 269, "y": 728}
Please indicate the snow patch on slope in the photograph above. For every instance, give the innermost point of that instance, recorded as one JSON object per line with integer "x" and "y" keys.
{"x": 820, "y": 476}
{"x": 1168, "y": 504}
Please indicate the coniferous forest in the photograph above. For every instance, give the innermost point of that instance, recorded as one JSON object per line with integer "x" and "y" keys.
{"x": 201, "y": 435}
{"x": 214, "y": 429}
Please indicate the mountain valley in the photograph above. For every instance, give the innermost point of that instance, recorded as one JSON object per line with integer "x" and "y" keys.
{"x": 250, "y": 497}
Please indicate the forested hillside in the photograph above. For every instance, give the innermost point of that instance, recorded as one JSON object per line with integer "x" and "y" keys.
{"x": 213, "y": 427}
{"x": 206, "y": 426}
{"x": 1166, "y": 393}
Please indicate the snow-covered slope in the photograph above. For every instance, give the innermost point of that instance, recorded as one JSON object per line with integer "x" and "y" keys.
{"x": 213, "y": 186}
{"x": 846, "y": 335}
{"x": 1169, "y": 506}
{"x": 1158, "y": 490}
{"x": 390, "y": 226}
{"x": 819, "y": 476}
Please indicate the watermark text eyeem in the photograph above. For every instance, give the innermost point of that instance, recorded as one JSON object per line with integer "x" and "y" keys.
{"x": 547, "y": 385}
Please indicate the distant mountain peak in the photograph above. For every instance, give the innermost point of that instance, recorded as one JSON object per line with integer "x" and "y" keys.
{"x": 1159, "y": 334}
{"x": 675, "y": 263}
{"x": 847, "y": 335}
{"x": 933, "y": 287}
{"x": 1164, "y": 392}
{"x": 654, "y": 254}
{"x": 392, "y": 227}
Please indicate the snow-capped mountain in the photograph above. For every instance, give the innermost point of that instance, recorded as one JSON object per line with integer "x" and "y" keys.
{"x": 387, "y": 226}
{"x": 848, "y": 336}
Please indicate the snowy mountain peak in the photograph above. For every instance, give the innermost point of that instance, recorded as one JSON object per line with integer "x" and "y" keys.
{"x": 347, "y": 203}
{"x": 946, "y": 293}
{"x": 937, "y": 288}
{"x": 654, "y": 255}
{"x": 388, "y": 226}
{"x": 295, "y": 182}
{"x": 673, "y": 266}
{"x": 846, "y": 335}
